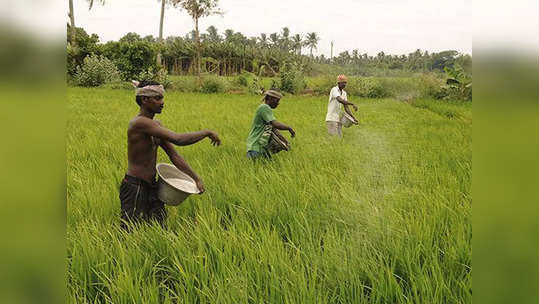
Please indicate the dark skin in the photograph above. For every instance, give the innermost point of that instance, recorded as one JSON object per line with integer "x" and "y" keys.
{"x": 144, "y": 135}
{"x": 273, "y": 102}
{"x": 341, "y": 86}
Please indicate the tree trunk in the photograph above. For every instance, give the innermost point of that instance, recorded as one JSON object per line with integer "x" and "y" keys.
{"x": 197, "y": 41}
{"x": 161, "y": 21}
{"x": 159, "y": 61}
{"x": 72, "y": 19}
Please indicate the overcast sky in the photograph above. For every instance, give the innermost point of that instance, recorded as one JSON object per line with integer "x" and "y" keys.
{"x": 392, "y": 26}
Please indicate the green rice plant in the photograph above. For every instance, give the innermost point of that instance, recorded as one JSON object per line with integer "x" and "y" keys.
{"x": 382, "y": 215}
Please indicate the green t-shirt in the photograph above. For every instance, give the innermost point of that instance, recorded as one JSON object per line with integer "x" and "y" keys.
{"x": 263, "y": 116}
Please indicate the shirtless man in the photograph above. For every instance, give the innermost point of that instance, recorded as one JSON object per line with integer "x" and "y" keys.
{"x": 138, "y": 191}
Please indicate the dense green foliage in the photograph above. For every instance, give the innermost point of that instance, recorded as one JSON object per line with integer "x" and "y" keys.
{"x": 83, "y": 46}
{"x": 292, "y": 78}
{"x": 131, "y": 58}
{"x": 264, "y": 55}
{"x": 277, "y": 56}
{"x": 213, "y": 84}
{"x": 381, "y": 216}
{"x": 95, "y": 71}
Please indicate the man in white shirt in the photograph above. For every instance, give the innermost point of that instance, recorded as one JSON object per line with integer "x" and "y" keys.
{"x": 338, "y": 96}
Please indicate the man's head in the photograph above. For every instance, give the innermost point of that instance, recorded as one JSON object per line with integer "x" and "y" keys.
{"x": 150, "y": 95}
{"x": 272, "y": 98}
{"x": 341, "y": 81}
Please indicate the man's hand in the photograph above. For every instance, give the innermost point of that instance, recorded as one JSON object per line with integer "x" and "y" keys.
{"x": 214, "y": 138}
{"x": 200, "y": 186}
{"x": 355, "y": 107}
{"x": 292, "y": 133}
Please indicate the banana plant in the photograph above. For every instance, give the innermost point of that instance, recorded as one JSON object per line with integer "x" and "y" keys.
{"x": 459, "y": 81}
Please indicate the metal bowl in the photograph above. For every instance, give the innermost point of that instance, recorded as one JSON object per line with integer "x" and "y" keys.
{"x": 173, "y": 186}
{"x": 347, "y": 120}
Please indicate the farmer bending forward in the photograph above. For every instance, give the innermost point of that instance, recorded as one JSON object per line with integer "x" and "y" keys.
{"x": 338, "y": 96}
{"x": 138, "y": 195}
{"x": 265, "y": 122}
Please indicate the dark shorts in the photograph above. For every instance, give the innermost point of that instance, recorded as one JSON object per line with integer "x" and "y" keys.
{"x": 139, "y": 202}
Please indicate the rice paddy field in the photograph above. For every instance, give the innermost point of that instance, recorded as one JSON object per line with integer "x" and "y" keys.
{"x": 382, "y": 215}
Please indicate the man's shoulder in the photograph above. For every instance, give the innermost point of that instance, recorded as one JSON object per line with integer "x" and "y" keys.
{"x": 141, "y": 122}
{"x": 263, "y": 107}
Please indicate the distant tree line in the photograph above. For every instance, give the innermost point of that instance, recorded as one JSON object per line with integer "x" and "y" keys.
{"x": 232, "y": 52}
{"x": 418, "y": 61}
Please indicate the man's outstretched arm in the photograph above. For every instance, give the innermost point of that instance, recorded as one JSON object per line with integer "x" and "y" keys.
{"x": 185, "y": 139}
{"x": 154, "y": 128}
{"x": 346, "y": 103}
{"x": 282, "y": 126}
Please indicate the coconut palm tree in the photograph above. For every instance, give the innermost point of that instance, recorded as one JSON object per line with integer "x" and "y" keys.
{"x": 285, "y": 39}
{"x": 274, "y": 38}
{"x": 229, "y": 34}
{"x": 297, "y": 43}
{"x": 198, "y": 9}
{"x": 311, "y": 41}
{"x": 263, "y": 39}
{"x": 161, "y": 19}
{"x": 213, "y": 34}
{"x": 163, "y": 2}
{"x": 71, "y": 15}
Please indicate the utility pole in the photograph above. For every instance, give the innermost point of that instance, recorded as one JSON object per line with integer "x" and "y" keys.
{"x": 331, "y": 57}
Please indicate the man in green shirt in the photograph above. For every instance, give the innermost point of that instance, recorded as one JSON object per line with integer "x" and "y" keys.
{"x": 264, "y": 119}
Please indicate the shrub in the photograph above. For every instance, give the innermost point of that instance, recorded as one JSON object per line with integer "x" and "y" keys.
{"x": 268, "y": 83}
{"x": 84, "y": 46}
{"x": 361, "y": 87}
{"x": 184, "y": 84}
{"x": 367, "y": 87}
{"x": 159, "y": 75}
{"x": 119, "y": 85}
{"x": 243, "y": 79}
{"x": 292, "y": 80}
{"x": 95, "y": 71}
{"x": 458, "y": 83}
{"x": 132, "y": 58}
{"x": 256, "y": 86}
{"x": 321, "y": 85}
{"x": 251, "y": 81}
{"x": 214, "y": 84}
{"x": 430, "y": 86}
